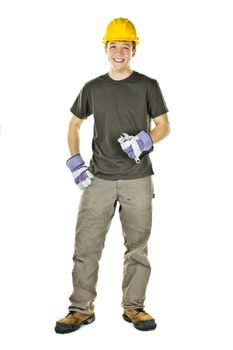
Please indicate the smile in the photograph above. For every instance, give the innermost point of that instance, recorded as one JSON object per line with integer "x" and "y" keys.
{"x": 118, "y": 60}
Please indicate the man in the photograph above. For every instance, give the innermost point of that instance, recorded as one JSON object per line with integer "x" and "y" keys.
{"x": 123, "y": 103}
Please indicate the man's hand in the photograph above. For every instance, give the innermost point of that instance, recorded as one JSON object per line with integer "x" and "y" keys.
{"x": 138, "y": 145}
{"x": 82, "y": 176}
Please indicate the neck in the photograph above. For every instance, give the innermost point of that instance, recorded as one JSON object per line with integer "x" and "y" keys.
{"x": 119, "y": 75}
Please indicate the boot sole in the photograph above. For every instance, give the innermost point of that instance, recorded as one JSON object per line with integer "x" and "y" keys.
{"x": 62, "y": 328}
{"x": 142, "y": 325}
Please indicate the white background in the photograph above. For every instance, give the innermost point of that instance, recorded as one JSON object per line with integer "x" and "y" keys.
{"x": 49, "y": 49}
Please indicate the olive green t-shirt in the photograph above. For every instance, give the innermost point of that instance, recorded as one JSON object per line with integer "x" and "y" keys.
{"x": 119, "y": 106}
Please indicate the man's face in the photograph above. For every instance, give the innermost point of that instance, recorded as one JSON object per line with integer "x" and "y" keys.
{"x": 119, "y": 54}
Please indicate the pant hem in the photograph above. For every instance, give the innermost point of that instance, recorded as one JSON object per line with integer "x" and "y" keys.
{"x": 73, "y": 308}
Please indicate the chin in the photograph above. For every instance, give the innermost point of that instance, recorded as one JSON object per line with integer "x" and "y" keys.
{"x": 119, "y": 67}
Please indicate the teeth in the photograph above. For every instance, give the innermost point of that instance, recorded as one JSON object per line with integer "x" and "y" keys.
{"x": 118, "y": 60}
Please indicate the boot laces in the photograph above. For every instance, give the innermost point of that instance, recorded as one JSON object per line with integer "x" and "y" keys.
{"x": 71, "y": 314}
{"x": 140, "y": 310}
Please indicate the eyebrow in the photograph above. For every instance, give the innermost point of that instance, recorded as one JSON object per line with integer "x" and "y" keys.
{"x": 114, "y": 42}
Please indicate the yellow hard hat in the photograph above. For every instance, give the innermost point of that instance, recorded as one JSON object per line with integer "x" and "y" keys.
{"x": 120, "y": 29}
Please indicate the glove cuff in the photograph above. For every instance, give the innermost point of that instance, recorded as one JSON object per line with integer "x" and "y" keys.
{"x": 75, "y": 162}
{"x": 145, "y": 137}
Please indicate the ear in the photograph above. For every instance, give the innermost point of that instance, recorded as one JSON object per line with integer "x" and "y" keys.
{"x": 106, "y": 47}
{"x": 133, "y": 52}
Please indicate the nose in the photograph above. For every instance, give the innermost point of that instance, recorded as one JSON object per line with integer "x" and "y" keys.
{"x": 119, "y": 50}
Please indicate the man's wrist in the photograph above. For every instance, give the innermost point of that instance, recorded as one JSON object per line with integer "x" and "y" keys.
{"x": 75, "y": 161}
{"x": 147, "y": 140}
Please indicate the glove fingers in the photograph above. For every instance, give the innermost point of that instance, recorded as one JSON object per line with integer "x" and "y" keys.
{"x": 130, "y": 153}
{"x": 131, "y": 148}
{"x": 79, "y": 172}
{"x": 123, "y": 138}
{"x": 136, "y": 149}
{"x": 84, "y": 179}
{"x": 86, "y": 182}
{"x": 80, "y": 186}
{"x": 89, "y": 174}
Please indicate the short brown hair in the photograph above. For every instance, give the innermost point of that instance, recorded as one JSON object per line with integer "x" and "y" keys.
{"x": 133, "y": 44}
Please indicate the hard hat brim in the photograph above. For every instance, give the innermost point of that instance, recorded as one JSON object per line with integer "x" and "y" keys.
{"x": 120, "y": 39}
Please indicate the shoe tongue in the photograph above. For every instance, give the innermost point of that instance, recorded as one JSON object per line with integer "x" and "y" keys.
{"x": 139, "y": 309}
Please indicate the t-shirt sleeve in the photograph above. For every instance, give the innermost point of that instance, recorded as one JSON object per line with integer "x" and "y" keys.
{"x": 82, "y": 106}
{"x": 156, "y": 104}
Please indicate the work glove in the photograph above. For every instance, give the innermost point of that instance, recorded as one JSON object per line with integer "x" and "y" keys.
{"x": 136, "y": 146}
{"x": 82, "y": 176}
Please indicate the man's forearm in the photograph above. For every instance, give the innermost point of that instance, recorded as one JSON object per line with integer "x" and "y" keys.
{"x": 159, "y": 132}
{"x": 74, "y": 140}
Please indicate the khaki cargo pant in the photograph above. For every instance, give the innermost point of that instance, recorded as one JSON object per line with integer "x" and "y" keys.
{"x": 96, "y": 210}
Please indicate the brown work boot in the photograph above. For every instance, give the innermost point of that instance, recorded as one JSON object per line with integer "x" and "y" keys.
{"x": 73, "y": 321}
{"x": 140, "y": 319}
